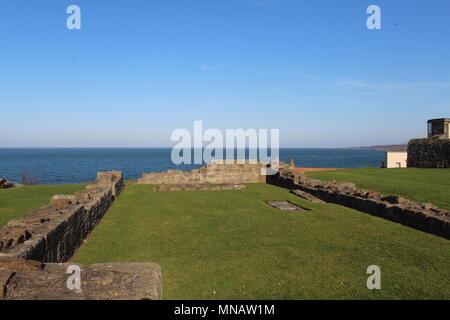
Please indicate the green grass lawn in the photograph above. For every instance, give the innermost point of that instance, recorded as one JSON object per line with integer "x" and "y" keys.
{"x": 421, "y": 185}
{"x": 16, "y": 202}
{"x": 231, "y": 245}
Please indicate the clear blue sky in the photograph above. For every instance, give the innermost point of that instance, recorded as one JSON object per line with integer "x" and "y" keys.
{"x": 137, "y": 70}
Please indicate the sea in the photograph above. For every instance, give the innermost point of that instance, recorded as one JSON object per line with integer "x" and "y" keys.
{"x": 55, "y": 166}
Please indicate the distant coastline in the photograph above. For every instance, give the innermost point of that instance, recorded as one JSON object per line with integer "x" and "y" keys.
{"x": 392, "y": 147}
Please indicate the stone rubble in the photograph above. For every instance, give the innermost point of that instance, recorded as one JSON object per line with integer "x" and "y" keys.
{"x": 5, "y": 184}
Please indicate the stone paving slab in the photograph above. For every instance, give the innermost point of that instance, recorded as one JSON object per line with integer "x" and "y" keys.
{"x": 200, "y": 187}
{"x": 285, "y": 206}
{"x": 106, "y": 281}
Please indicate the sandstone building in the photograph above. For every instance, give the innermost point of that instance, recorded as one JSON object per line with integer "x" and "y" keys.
{"x": 434, "y": 151}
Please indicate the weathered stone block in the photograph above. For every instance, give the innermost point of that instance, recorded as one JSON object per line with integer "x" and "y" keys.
{"x": 215, "y": 172}
{"x": 5, "y": 278}
{"x": 18, "y": 264}
{"x": 83, "y": 196}
{"x": 63, "y": 201}
{"x": 5, "y": 184}
{"x": 13, "y": 236}
{"x": 108, "y": 281}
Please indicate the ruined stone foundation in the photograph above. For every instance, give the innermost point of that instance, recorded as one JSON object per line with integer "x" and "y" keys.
{"x": 34, "y": 251}
{"x": 215, "y": 173}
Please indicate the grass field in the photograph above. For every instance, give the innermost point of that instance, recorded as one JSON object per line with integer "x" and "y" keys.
{"x": 421, "y": 185}
{"x": 16, "y": 202}
{"x": 231, "y": 245}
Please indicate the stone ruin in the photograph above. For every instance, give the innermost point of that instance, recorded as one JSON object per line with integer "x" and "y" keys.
{"x": 434, "y": 151}
{"x": 214, "y": 173}
{"x": 420, "y": 216}
{"x": 424, "y": 217}
{"x": 5, "y": 184}
{"x": 34, "y": 251}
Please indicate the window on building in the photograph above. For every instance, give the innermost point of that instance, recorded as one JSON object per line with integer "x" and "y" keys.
{"x": 430, "y": 129}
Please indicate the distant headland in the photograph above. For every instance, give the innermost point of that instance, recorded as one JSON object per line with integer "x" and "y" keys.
{"x": 392, "y": 147}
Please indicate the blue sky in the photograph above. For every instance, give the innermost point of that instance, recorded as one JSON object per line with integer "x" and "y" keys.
{"x": 137, "y": 70}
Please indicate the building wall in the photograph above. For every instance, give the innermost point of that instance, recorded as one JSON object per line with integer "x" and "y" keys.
{"x": 426, "y": 153}
{"x": 396, "y": 159}
{"x": 439, "y": 127}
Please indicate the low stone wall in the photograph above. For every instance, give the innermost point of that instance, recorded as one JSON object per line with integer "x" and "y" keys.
{"x": 424, "y": 217}
{"x": 33, "y": 248}
{"x": 53, "y": 233}
{"x": 426, "y": 153}
{"x": 215, "y": 172}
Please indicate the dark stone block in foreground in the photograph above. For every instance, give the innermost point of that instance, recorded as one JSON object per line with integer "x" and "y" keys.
{"x": 107, "y": 281}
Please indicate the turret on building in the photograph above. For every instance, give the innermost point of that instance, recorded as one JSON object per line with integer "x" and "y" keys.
{"x": 439, "y": 128}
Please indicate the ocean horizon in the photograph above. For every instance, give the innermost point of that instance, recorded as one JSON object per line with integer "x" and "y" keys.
{"x": 55, "y": 166}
